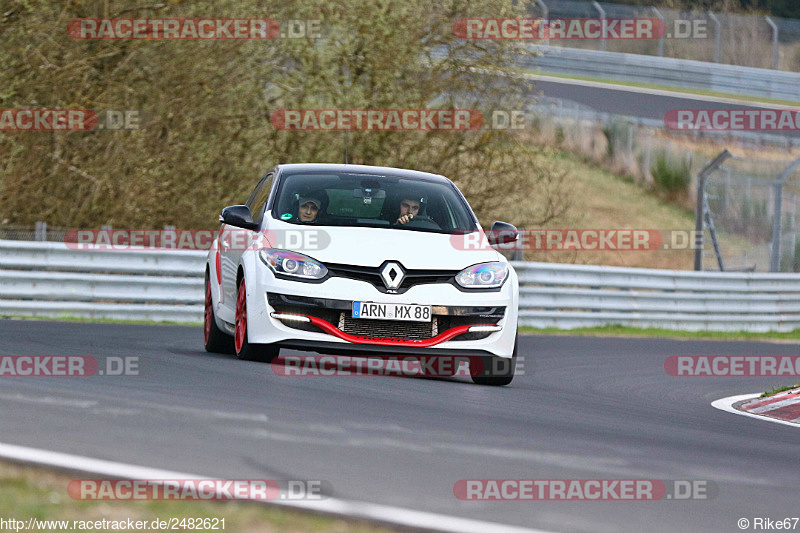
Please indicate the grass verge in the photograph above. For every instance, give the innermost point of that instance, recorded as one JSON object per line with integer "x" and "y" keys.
{"x": 32, "y": 492}
{"x": 608, "y": 201}
{"x": 778, "y": 390}
{"x": 627, "y": 331}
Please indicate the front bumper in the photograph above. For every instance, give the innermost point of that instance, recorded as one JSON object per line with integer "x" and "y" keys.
{"x": 332, "y": 329}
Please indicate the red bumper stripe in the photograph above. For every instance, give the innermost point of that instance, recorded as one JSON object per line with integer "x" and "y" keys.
{"x": 327, "y": 327}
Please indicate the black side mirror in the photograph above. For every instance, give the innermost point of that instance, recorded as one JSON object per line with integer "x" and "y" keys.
{"x": 502, "y": 233}
{"x": 239, "y": 216}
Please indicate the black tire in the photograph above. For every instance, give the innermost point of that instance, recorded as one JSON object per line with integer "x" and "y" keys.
{"x": 496, "y": 371}
{"x": 214, "y": 339}
{"x": 243, "y": 349}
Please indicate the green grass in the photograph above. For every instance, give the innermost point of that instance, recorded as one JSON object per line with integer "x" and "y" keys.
{"x": 604, "y": 200}
{"x": 778, "y": 390}
{"x": 627, "y": 331}
{"x": 30, "y": 492}
{"x": 670, "y": 88}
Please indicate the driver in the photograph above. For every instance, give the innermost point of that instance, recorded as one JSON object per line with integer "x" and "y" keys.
{"x": 409, "y": 208}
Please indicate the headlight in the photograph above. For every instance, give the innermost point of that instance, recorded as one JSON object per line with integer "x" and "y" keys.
{"x": 483, "y": 276}
{"x": 292, "y": 264}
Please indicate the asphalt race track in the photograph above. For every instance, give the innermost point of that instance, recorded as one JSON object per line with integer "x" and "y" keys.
{"x": 635, "y": 104}
{"x": 586, "y": 408}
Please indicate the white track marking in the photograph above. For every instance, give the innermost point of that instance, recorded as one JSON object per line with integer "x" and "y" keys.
{"x": 349, "y": 509}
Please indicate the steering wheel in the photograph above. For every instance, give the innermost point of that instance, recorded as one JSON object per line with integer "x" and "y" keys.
{"x": 423, "y": 222}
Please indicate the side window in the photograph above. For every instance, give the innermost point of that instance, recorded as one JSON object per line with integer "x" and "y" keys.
{"x": 259, "y": 198}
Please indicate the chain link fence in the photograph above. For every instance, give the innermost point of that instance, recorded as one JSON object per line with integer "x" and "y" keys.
{"x": 749, "y": 216}
{"x": 642, "y": 148}
{"x": 750, "y": 206}
{"x": 39, "y": 232}
{"x": 735, "y": 39}
{"x": 43, "y": 232}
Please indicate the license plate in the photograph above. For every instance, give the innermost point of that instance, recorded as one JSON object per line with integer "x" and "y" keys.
{"x": 415, "y": 313}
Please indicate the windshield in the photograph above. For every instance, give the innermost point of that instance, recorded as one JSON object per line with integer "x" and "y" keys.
{"x": 370, "y": 200}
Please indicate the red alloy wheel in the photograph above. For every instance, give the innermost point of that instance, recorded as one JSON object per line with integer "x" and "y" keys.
{"x": 241, "y": 318}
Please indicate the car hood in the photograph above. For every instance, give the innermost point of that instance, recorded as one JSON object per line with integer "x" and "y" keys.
{"x": 372, "y": 246}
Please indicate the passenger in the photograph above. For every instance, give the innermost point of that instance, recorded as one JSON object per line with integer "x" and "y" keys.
{"x": 308, "y": 209}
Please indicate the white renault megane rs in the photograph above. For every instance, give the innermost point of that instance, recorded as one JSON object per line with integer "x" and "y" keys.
{"x": 361, "y": 260}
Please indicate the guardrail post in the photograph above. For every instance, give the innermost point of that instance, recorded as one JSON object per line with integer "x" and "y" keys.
{"x": 661, "y": 39}
{"x": 170, "y": 237}
{"x": 602, "y": 12}
{"x": 546, "y": 17}
{"x": 700, "y": 208}
{"x": 775, "y": 54}
{"x": 775, "y": 258}
{"x": 717, "y": 37}
{"x": 41, "y": 231}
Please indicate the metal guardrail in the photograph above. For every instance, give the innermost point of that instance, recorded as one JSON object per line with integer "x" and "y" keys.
{"x": 731, "y": 38}
{"x": 571, "y": 296}
{"x": 54, "y": 256}
{"x": 682, "y": 73}
{"x": 49, "y": 280}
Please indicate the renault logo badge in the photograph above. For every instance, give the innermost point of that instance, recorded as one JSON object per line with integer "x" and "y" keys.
{"x": 392, "y": 274}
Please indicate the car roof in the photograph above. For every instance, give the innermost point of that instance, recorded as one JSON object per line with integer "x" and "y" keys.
{"x": 363, "y": 169}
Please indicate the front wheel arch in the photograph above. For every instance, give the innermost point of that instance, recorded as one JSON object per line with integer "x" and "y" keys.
{"x": 264, "y": 353}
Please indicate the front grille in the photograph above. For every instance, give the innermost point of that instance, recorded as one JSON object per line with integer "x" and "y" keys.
{"x": 372, "y": 275}
{"x": 393, "y": 329}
